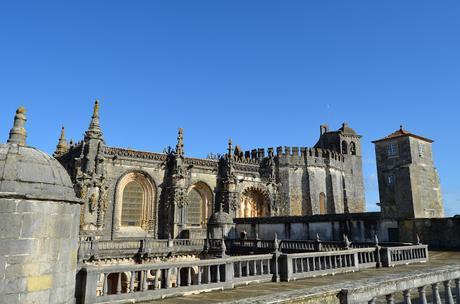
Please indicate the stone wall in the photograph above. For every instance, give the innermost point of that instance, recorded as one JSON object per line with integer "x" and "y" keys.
{"x": 360, "y": 227}
{"x": 38, "y": 251}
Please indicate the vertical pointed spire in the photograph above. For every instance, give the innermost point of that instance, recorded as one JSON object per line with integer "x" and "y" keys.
{"x": 62, "y": 146}
{"x": 230, "y": 149}
{"x": 180, "y": 143}
{"x": 94, "y": 130}
{"x": 18, "y": 133}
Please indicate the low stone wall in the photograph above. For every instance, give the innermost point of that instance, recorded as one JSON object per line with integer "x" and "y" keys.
{"x": 360, "y": 227}
{"x": 442, "y": 233}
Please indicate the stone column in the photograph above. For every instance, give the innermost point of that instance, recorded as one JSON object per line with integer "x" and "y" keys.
{"x": 436, "y": 296}
{"x": 422, "y": 295}
{"x": 448, "y": 293}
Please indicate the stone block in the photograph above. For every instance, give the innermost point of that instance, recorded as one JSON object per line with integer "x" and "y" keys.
{"x": 13, "y": 247}
{"x": 14, "y": 285}
{"x": 33, "y": 225}
{"x": 10, "y": 298}
{"x": 39, "y": 297}
{"x": 10, "y": 225}
{"x": 8, "y": 206}
{"x": 37, "y": 283}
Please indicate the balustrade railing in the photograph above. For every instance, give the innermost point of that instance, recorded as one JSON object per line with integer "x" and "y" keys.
{"x": 441, "y": 285}
{"x": 401, "y": 255}
{"x": 310, "y": 264}
{"x": 106, "y": 284}
{"x": 100, "y": 249}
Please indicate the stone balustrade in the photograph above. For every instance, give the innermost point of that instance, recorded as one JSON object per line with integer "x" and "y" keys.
{"x": 441, "y": 285}
{"x": 128, "y": 282}
{"x": 110, "y": 249}
{"x": 400, "y": 255}
{"x": 140, "y": 282}
{"x": 303, "y": 265}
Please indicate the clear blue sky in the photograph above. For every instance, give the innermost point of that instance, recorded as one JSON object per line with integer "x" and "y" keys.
{"x": 265, "y": 73}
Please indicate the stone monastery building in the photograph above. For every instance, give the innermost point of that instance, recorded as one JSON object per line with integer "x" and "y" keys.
{"x": 128, "y": 193}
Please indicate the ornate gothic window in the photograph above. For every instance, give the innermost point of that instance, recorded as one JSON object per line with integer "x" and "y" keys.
{"x": 322, "y": 203}
{"x": 195, "y": 203}
{"x": 254, "y": 203}
{"x": 135, "y": 203}
{"x": 199, "y": 207}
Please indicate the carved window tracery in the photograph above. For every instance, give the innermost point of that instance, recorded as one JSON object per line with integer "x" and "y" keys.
{"x": 135, "y": 202}
{"x": 200, "y": 204}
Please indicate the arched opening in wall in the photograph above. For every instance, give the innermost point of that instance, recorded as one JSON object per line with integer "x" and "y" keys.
{"x": 200, "y": 204}
{"x": 135, "y": 202}
{"x": 322, "y": 203}
{"x": 112, "y": 282}
{"x": 344, "y": 147}
{"x": 254, "y": 203}
{"x": 352, "y": 148}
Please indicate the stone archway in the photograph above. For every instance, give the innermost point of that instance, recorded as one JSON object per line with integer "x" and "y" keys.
{"x": 254, "y": 202}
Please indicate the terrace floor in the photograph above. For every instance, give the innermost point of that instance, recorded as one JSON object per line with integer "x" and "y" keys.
{"x": 245, "y": 293}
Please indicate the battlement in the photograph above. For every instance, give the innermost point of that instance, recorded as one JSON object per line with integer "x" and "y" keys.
{"x": 256, "y": 155}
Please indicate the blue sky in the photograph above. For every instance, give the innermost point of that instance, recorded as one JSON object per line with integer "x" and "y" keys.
{"x": 265, "y": 73}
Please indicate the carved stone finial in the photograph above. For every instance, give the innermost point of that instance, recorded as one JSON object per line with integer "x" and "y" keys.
{"x": 18, "y": 133}
{"x": 346, "y": 241}
{"x": 376, "y": 239}
{"x": 419, "y": 242}
{"x": 317, "y": 237}
{"x": 94, "y": 130}
{"x": 180, "y": 143}
{"x": 276, "y": 244}
{"x": 62, "y": 146}
{"x": 230, "y": 149}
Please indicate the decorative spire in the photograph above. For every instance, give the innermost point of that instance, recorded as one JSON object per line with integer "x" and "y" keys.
{"x": 180, "y": 143}
{"x": 230, "y": 148}
{"x": 18, "y": 133}
{"x": 62, "y": 146}
{"x": 94, "y": 130}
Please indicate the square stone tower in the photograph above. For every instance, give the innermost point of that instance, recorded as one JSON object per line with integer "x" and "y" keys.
{"x": 408, "y": 181}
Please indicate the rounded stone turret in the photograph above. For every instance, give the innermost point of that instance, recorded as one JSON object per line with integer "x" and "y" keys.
{"x": 221, "y": 225}
{"x": 39, "y": 223}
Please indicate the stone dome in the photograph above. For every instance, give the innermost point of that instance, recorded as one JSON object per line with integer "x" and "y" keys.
{"x": 28, "y": 172}
{"x": 220, "y": 217}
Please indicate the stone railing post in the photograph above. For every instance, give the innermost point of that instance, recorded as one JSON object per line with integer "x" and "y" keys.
{"x": 229, "y": 274}
{"x": 275, "y": 261}
{"x": 448, "y": 293}
{"x": 422, "y": 294}
{"x": 170, "y": 242}
{"x": 457, "y": 289}
{"x": 407, "y": 298}
{"x": 386, "y": 256}
{"x": 378, "y": 259}
{"x": 88, "y": 286}
{"x": 436, "y": 296}
{"x": 285, "y": 267}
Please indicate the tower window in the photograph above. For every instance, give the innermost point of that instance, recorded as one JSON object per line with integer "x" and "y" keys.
{"x": 392, "y": 150}
{"x": 353, "y": 148}
{"x": 344, "y": 147}
{"x": 421, "y": 150}
{"x": 391, "y": 179}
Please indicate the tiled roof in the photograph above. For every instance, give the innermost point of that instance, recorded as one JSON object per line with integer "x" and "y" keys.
{"x": 401, "y": 133}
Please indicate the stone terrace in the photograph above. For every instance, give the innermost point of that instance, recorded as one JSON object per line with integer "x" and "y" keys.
{"x": 325, "y": 287}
